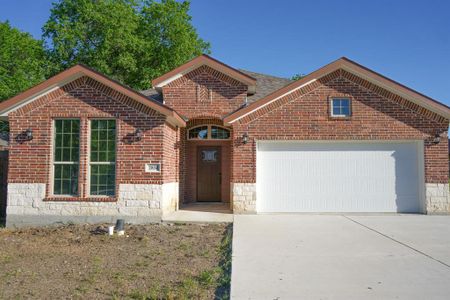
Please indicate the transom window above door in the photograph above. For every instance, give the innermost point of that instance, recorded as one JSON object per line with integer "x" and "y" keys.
{"x": 209, "y": 132}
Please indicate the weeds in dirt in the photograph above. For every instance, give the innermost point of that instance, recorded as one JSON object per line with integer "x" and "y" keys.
{"x": 192, "y": 286}
{"x": 4, "y": 258}
{"x": 91, "y": 278}
{"x": 224, "y": 280}
{"x": 154, "y": 262}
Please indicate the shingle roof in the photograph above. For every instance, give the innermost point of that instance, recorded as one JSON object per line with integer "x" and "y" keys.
{"x": 152, "y": 94}
{"x": 265, "y": 84}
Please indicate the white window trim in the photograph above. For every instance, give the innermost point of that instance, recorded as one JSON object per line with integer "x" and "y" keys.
{"x": 208, "y": 137}
{"x": 89, "y": 163}
{"x": 340, "y": 115}
{"x": 52, "y": 172}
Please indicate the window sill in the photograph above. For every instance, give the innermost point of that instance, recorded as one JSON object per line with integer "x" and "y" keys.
{"x": 80, "y": 199}
{"x": 340, "y": 118}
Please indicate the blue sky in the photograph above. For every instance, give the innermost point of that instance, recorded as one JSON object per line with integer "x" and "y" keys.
{"x": 408, "y": 41}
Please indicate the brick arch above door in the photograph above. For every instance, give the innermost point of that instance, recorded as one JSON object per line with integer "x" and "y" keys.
{"x": 207, "y": 120}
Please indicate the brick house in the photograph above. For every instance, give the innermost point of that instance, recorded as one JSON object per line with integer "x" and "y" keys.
{"x": 83, "y": 147}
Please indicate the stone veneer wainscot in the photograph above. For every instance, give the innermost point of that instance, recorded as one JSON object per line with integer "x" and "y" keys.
{"x": 244, "y": 197}
{"x": 136, "y": 203}
{"x": 437, "y": 198}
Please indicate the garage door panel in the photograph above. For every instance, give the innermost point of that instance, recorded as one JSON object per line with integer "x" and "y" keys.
{"x": 337, "y": 177}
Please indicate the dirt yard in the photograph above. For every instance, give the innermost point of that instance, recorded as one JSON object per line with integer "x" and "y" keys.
{"x": 82, "y": 262}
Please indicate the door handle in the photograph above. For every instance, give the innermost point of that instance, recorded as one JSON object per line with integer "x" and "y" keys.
{"x": 220, "y": 178}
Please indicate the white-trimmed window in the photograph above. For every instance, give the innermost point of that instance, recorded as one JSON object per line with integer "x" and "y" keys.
{"x": 66, "y": 157}
{"x": 209, "y": 132}
{"x": 102, "y": 157}
{"x": 340, "y": 107}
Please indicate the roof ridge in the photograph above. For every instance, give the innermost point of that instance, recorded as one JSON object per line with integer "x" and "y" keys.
{"x": 264, "y": 74}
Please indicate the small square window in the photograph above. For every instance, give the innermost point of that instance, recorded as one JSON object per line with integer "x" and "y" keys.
{"x": 340, "y": 107}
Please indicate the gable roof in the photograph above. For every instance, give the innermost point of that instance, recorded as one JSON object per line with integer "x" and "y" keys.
{"x": 354, "y": 68}
{"x": 265, "y": 84}
{"x": 76, "y": 72}
{"x": 202, "y": 60}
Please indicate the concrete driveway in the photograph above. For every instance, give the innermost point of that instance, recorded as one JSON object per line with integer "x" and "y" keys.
{"x": 341, "y": 257}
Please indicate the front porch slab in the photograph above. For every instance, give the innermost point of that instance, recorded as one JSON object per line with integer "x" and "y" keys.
{"x": 201, "y": 213}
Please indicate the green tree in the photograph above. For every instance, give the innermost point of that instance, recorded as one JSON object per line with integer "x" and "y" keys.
{"x": 297, "y": 76}
{"x": 132, "y": 41}
{"x": 23, "y": 62}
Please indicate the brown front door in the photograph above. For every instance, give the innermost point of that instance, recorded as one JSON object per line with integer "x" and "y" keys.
{"x": 209, "y": 176}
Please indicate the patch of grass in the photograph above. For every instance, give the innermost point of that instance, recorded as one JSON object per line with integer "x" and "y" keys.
{"x": 207, "y": 278}
{"x": 192, "y": 287}
{"x": 115, "y": 295}
{"x": 118, "y": 278}
{"x": 4, "y": 258}
{"x": 96, "y": 268}
{"x": 224, "y": 280}
{"x": 91, "y": 278}
{"x": 157, "y": 293}
{"x": 184, "y": 247}
{"x": 137, "y": 295}
{"x": 142, "y": 263}
{"x": 205, "y": 253}
{"x": 11, "y": 274}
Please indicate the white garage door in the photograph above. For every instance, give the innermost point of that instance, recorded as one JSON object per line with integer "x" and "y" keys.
{"x": 339, "y": 177}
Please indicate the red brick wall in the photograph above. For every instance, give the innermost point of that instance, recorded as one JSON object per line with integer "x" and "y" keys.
{"x": 304, "y": 115}
{"x": 171, "y": 153}
{"x": 84, "y": 98}
{"x": 204, "y": 92}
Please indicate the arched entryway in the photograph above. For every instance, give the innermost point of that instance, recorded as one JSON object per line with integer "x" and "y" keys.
{"x": 206, "y": 167}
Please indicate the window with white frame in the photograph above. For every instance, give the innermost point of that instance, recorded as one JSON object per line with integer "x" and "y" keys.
{"x": 66, "y": 157}
{"x": 103, "y": 157}
{"x": 340, "y": 107}
{"x": 209, "y": 132}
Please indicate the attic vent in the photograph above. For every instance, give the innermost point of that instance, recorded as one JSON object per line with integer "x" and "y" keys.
{"x": 204, "y": 94}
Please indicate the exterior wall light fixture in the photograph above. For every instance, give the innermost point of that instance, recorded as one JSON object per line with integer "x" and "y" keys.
{"x": 138, "y": 134}
{"x": 29, "y": 134}
{"x": 437, "y": 138}
{"x": 245, "y": 138}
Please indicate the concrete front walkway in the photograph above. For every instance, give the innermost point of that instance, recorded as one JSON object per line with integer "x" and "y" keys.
{"x": 212, "y": 212}
{"x": 188, "y": 216}
{"x": 341, "y": 257}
